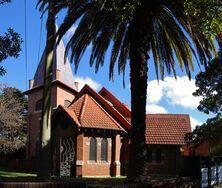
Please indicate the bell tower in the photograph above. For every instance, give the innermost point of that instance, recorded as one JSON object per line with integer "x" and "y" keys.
{"x": 63, "y": 92}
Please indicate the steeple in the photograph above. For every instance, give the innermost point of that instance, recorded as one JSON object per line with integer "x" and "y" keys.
{"x": 61, "y": 70}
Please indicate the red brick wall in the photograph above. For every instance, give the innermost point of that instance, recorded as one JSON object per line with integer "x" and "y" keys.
{"x": 84, "y": 167}
{"x": 97, "y": 168}
{"x": 34, "y": 117}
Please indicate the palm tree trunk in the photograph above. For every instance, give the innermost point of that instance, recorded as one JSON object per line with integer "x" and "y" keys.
{"x": 137, "y": 170}
{"x": 45, "y": 137}
{"x": 138, "y": 76}
{"x": 139, "y": 46}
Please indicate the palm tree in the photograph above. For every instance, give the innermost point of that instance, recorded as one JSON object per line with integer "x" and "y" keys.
{"x": 160, "y": 27}
{"x": 135, "y": 28}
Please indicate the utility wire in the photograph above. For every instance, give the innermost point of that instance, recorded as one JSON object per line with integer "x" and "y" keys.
{"x": 26, "y": 64}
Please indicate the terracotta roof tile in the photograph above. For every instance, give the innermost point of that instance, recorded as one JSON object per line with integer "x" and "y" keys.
{"x": 167, "y": 128}
{"x": 92, "y": 115}
{"x": 72, "y": 114}
{"x": 115, "y": 103}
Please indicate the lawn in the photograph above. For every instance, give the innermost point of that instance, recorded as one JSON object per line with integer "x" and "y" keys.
{"x": 6, "y": 173}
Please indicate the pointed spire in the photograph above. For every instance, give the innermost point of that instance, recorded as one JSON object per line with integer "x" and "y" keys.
{"x": 61, "y": 70}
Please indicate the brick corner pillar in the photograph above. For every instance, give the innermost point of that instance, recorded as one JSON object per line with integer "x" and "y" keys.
{"x": 79, "y": 156}
{"x": 116, "y": 156}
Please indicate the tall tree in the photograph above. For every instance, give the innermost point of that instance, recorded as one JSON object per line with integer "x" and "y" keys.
{"x": 45, "y": 158}
{"x": 135, "y": 28}
{"x": 206, "y": 16}
{"x": 209, "y": 131}
{"x": 12, "y": 120}
{"x": 10, "y": 44}
{"x": 209, "y": 87}
{"x": 44, "y": 168}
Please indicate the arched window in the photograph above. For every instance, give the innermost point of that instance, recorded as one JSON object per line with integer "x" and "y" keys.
{"x": 67, "y": 103}
{"x": 38, "y": 105}
{"x": 104, "y": 149}
{"x": 93, "y": 149}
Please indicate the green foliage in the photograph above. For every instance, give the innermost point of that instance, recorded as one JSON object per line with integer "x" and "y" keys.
{"x": 210, "y": 131}
{"x": 216, "y": 151}
{"x": 10, "y": 46}
{"x": 209, "y": 84}
{"x": 158, "y": 30}
{"x": 206, "y": 15}
{"x": 125, "y": 11}
{"x": 13, "y": 105}
{"x": 4, "y": 1}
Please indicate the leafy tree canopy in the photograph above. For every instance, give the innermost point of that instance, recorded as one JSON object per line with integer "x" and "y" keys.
{"x": 4, "y": 1}
{"x": 206, "y": 15}
{"x": 210, "y": 87}
{"x": 216, "y": 150}
{"x": 211, "y": 131}
{"x": 12, "y": 119}
{"x": 10, "y": 44}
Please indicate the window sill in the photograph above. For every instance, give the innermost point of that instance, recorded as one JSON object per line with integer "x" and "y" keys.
{"x": 99, "y": 162}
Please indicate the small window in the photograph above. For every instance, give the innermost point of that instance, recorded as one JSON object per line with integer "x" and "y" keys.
{"x": 104, "y": 149}
{"x": 38, "y": 105}
{"x": 67, "y": 103}
{"x": 149, "y": 155}
{"x": 158, "y": 155}
{"x": 93, "y": 149}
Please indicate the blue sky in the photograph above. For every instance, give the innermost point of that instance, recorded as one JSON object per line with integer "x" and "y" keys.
{"x": 169, "y": 96}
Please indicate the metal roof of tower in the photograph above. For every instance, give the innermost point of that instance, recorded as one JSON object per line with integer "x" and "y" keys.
{"x": 65, "y": 72}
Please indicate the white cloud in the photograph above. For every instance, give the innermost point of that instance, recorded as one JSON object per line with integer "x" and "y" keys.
{"x": 70, "y": 32}
{"x": 155, "y": 91}
{"x": 89, "y": 81}
{"x": 155, "y": 109}
{"x": 194, "y": 122}
{"x": 176, "y": 92}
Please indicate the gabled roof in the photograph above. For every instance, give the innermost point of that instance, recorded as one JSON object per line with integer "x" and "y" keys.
{"x": 167, "y": 129}
{"x": 92, "y": 115}
{"x": 119, "y": 106}
{"x": 105, "y": 105}
{"x": 64, "y": 68}
{"x": 90, "y": 110}
{"x": 68, "y": 113}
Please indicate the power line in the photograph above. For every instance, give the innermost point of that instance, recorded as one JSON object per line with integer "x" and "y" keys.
{"x": 26, "y": 64}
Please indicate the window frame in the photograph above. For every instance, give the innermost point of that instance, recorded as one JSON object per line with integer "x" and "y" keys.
{"x": 104, "y": 150}
{"x": 38, "y": 105}
{"x": 93, "y": 149}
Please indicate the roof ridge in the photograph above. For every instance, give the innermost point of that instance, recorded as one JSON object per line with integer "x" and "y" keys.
{"x": 112, "y": 119}
{"x": 117, "y": 116}
{"x": 82, "y": 110}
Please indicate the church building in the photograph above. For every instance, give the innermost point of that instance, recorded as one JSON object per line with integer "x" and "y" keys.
{"x": 90, "y": 130}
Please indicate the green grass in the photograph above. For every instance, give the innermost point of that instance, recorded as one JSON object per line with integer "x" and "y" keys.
{"x": 6, "y": 173}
